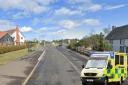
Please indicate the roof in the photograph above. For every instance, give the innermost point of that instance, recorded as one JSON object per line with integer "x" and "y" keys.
{"x": 118, "y": 33}
{"x": 10, "y": 32}
{"x": 2, "y": 34}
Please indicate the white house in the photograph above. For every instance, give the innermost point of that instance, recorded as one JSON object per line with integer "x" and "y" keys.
{"x": 17, "y": 36}
{"x": 118, "y": 37}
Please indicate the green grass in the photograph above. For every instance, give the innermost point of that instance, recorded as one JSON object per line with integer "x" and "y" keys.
{"x": 7, "y": 57}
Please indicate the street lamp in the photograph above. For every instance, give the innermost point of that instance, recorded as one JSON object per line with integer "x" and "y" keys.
{"x": 101, "y": 48}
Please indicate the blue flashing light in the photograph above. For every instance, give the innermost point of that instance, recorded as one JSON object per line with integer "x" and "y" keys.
{"x": 111, "y": 53}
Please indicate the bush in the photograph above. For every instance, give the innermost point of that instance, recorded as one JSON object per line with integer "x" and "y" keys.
{"x": 6, "y": 49}
{"x": 97, "y": 42}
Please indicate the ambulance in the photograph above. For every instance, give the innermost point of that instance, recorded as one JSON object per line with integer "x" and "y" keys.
{"x": 105, "y": 68}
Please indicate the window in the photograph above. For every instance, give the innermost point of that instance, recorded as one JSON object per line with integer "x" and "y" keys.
{"x": 122, "y": 60}
{"x": 116, "y": 59}
{"x": 13, "y": 38}
{"x": 119, "y": 60}
{"x": 122, "y": 42}
{"x": 96, "y": 64}
{"x": 121, "y": 48}
{"x": 8, "y": 39}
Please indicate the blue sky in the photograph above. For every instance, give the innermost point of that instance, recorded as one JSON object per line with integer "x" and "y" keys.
{"x": 61, "y": 19}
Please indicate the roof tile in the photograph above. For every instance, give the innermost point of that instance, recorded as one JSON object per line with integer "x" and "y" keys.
{"x": 2, "y": 34}
{"x": 118, "y": 33}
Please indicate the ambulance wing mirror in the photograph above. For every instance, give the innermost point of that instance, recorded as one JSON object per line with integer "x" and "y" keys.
{"x": 83, "y": 66}
{"x": 109, "y": 65}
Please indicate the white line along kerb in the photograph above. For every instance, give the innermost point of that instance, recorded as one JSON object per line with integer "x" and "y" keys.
{"x": 29, "y": 76}
{"x": 39, "y": 59}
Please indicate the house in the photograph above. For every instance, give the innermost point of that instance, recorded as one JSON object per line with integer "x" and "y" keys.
{"x": 5, "y": 39}
{"x": 17, "y": 36}
{"x": 118, "y": 37}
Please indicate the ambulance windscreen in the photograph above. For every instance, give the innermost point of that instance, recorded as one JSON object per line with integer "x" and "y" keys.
{"x": 96, "y": 64}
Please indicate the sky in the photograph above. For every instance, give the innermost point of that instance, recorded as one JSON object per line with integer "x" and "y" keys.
{"x": 61, "y": 19}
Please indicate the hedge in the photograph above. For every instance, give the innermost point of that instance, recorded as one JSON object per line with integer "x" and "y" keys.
{"x": 6, "y": 49}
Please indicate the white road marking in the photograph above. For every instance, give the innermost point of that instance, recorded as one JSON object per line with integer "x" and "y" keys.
{"x": 31, "y": 73}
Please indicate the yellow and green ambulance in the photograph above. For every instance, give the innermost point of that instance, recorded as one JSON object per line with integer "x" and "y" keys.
{"x": 105, "y": 68}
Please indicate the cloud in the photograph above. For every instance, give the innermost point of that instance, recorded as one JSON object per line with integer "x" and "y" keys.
{"x": 46, "y": 2}
{"x": 66, "y": 11}
{"x": 74, "y": 35}
{"x": 6, "y": 25}
{"x": 23, "y": 5}
{"x": 85, "y": 5}
{"x": 71, "y": 24}
{"x": 68, "y": 24}
{"x": 79, "y": 1}
{"x": 115, "y": 6}
{"x": 41, "y": 30}
{"x": 95, "y": 7}
{"x": 60, "y": 31}
{"x": 26, "y": 29}
{"x": 91, "y": 22}
{"x": 20, "y": 15}
{"x": 70, "y": 34}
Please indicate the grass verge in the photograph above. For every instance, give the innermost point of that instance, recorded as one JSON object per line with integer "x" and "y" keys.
{"x": 10, "y": 56}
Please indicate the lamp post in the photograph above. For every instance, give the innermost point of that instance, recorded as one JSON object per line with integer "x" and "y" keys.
{"x": 101, "y": 48}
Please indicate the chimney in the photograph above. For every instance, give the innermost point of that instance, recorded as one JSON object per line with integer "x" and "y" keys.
{"x": 17, "y": 35}
{"x": 113, "y": 27}
{"x": 17, "y": 28}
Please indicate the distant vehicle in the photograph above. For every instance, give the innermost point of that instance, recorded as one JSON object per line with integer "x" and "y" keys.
{"x": 60, "y": 45}
{"x": 105, "y": 67}
{"x": 87, "y": 53}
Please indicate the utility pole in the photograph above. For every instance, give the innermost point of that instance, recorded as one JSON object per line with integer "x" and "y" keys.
{"x": 101, "y": 48}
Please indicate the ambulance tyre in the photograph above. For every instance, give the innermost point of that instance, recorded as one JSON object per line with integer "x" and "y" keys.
{"x": 83, "y": 83}
{"x": 120, "y": 82}
{"x": 106, "y": 81}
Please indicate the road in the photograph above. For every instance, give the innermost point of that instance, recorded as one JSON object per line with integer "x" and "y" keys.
{"x": 59, "y": 66}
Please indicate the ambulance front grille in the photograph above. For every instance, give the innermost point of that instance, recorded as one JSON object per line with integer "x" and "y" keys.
{"x": 90, "y": 74}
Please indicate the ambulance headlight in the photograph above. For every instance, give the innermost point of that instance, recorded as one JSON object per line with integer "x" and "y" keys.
{"x": 100, "y": 74}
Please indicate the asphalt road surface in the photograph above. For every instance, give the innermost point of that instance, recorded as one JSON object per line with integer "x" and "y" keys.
{"x": 59, "y": 67}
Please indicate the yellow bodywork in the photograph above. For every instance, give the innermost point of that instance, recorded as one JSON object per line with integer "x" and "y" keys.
{"x": 118, "y": 71}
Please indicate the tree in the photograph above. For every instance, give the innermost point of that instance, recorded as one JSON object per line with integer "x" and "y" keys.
{"x": 106, "y": 31}
{"x": 95, "y": 41}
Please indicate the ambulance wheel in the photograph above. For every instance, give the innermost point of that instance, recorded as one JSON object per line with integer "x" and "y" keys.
{"x": 120, "y": 82}
{"x": 83, "y": 83}
{"x": 106, "y": 81}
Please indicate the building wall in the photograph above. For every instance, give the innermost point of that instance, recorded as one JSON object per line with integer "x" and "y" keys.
{"x": 126, "y": 42}
{"x": 21, "y": 38}
{"x": 116, "y": 45}
{"x": 6, "y": 40}
{"x": 14, "y": 36}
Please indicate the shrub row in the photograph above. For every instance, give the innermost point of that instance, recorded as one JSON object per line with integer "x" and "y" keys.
{"x": 6, "y": 49}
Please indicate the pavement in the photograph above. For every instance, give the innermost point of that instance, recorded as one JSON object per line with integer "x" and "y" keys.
{"x": 14, "y": 73}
